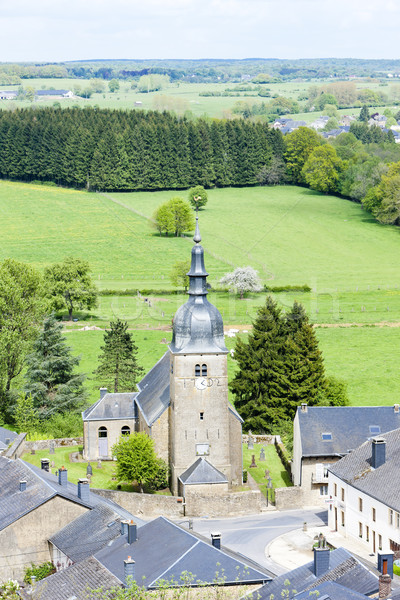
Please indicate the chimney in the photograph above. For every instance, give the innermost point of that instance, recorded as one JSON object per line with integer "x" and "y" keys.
{"x": 45, "y": 464}
{"x": 385, "y": 586}
{"x": 22, "y": 485}
{"x": 103, "y": 392}
{"x": 396, "y": 408}
{"x": 62, "y": 476}
{"x": 83, "y": 490}
{"x": 378, "y": 452}
{"x": 7, "y": 442}
{"x": 124, "y": 527}
{"x": 132, "y": 532}
{"x": 216, "y": 540}
{"x": 321, "y": 560}
{"x": 129, "y": 569}
{"x": 303, "y": 407}
{"x": 385, "y": 563}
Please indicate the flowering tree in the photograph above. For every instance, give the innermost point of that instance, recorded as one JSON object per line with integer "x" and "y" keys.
{"x": 242, "y": 280}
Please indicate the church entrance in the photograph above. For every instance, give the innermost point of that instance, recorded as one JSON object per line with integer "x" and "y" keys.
{"x": 103, "y": 441}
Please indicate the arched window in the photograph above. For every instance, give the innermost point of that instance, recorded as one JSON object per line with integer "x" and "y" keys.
{"x": 125, "y": 430}
{"x": 102, "y": 432}
{"x": 197, "y": 371}
{"x": 204, "y": 370}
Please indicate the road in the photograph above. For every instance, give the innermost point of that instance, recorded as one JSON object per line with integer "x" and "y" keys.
{"x": 251, "y": 535}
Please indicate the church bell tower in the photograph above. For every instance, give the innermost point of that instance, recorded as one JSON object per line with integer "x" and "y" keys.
{"x": 203, "y": 424}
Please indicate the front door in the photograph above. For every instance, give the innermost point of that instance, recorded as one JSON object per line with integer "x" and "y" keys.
{"x": 373, "y": 542}
{"x": 335, "y": 518}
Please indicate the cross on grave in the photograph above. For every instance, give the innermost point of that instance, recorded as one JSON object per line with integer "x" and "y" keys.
{"x": 262, "y": 454}
{"x": 52, "y": 447}
{"x": 253, "y": 461}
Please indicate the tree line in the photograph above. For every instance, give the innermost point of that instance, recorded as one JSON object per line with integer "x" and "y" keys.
{"x": 110, "y": 150}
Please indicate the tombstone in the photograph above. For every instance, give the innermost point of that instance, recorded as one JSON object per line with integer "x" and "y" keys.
{"x": 164, "y": 341}
{"x": 266, "y": 473}
{"x": 250, "y": 441}
{"x": 52, "y": 464}
{"x": 33, "y": 451}
{"x": 262, "y": 455}
{"x": 52, "y": 447}
{"x": 89, "y": 477}
{"x": 89, "y": 470}
{"x": 253, "y": 461}
{"x": 99, "y": 464}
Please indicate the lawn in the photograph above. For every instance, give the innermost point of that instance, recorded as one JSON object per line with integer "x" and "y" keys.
{"x": 280, "y": 477}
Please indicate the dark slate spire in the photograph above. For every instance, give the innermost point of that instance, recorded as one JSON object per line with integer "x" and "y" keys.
{"x": 198, "y": 327}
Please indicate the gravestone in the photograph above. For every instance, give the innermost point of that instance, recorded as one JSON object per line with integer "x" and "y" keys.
{"x": 250, "y": 441}
{"x": 262, "y": 455}
{"x": 253, "y": 461}
{"x": 53, "y": 464}
{"x": 89, "y": 470}
{"x": 33, "y": 451}
{"x": 99, "y": 464}
{"x": 266, "y": 474}
{"x": 52, "y": 447}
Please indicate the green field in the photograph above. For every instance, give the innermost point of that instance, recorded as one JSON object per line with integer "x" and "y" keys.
{"x": 291, "y": 235}
{"x": 183, "y": 97}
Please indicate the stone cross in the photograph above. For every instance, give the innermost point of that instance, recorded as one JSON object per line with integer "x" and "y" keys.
{"x": 51, "y": 447}
{"x": 262, "y": 455}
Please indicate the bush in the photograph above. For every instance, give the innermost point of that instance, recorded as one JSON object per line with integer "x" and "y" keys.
{"x": 62, "y": 426}
{"x": 39, "y": 571}
{"x": 287, "y": 288}
{"x": 244, "y": 476}
{"x": 161, "y": 480}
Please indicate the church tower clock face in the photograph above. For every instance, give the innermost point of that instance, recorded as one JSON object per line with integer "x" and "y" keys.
{"x": 200, "y": 383}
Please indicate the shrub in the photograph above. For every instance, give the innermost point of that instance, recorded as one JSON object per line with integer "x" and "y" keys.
{"x": 244, "y": 476}
{"x": 39, "y": 571}
{"x": 161, "y": 480}
{"x": 62, "y": 426}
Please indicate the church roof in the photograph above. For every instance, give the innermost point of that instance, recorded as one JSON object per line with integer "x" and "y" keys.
{"x": 111, "y": 406}
{"x": 198, "y": 327}
{"x": 153, "y": 397}
{"x": 200, "y": 472}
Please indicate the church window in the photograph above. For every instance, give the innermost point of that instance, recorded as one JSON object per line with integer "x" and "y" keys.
{"x": 197, "y": 371}
{"x": 125, "y": 430}
{"x": 102, "y": 432}
{"x": 204, "y": 370}
{"x": 201, "y": 416}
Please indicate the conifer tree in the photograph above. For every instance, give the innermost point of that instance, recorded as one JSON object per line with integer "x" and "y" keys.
{"x": 118, "y": 366}
{"x": 50, "y": 376}
{"x": 259, "y": 385}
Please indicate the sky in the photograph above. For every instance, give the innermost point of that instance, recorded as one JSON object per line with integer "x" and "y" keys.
{"x": 52, "y": 30}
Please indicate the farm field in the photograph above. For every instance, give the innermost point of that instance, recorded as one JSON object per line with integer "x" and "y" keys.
{"x": 291, "y": 235}
{"x": 183, "y": 97}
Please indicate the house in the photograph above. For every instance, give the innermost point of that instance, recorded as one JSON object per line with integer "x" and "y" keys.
{"x": 54, "y": 93}
{"x": 34, "y": 506}
{"x": 322, "y": 435}
{"x": 6, "y": 438}
{"x": 153, "y": 554}
{"x": 182, "y": 403}
{"x": 364, "y": 489}
{"x": 320, "y": 122}
{"x": 8, "y": 95}
{"x": 337, "y": 566}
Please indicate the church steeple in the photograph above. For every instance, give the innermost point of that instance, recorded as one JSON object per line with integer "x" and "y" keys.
{"x": 198, "y": 326}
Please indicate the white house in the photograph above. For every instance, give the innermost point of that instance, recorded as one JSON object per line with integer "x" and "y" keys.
{"x": 364, "y": 488}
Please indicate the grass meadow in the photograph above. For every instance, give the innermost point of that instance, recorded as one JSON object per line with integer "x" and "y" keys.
{"x": 290, "y": 235}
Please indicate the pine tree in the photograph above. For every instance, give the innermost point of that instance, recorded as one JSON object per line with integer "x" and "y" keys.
{"x": 50, "y": 376}
{"x": 118, "y": 366}
{"x": 304, "y": 365}
{"x": 259, "y": 385}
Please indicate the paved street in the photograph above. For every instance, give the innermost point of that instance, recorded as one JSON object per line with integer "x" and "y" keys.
{"x": 251, "y": 535}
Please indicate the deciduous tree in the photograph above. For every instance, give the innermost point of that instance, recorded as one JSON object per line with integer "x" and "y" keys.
{"x": 242, "y": 280}
{"x": 200, "y": 194}
{"x": 174, "y": 216}
{"x": 299, "y": 146}
{"x": 69, "y": 285}
{"x": 136, "y": 459}
{"x": 179, "y": 273}
{"x": 322, "y": 169}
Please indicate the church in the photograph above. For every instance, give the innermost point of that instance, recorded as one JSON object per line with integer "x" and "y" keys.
{"x": 182, "y": 403}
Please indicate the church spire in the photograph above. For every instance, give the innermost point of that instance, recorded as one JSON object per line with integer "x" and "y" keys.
{"x": 197, "y": 274}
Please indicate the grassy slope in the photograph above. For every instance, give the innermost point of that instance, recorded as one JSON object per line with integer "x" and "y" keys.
{"x": 291, "y": 233}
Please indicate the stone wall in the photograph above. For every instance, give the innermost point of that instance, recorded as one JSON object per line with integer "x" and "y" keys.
{"x": 197, "y": 505}
{"x": 17, "y": 448}
{"x": 287, "y": 498}
{"x": 58, "y": 443}
{"x": 148, "y": 505}
{"x": 262, "y": 439}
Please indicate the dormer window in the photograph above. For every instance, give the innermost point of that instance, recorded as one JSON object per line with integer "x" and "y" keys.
{"x": 197, "y": 371}
{"x": 204, "y": 370}
{"x": 374, "y": 429}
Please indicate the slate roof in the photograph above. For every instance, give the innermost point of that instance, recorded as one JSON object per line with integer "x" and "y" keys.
{"x": 356, "y": 470}
{"x": 112, "y": 406}
{"x": 51, "y": 92}
{"x": 41, "y": 486}
{"x": 163, "y": 551}
{"x": 349, "y": 425}
{"x": 73, "y": 583}
{"x": 345, "y": 570}
{"x": 87, "y": 534}
{"x": 235, "y": 412}
{"x": 331, "y": 591}
{"x": 153, "y": 397}
{"x": 201, "y": 471}
{"x": 6, "y": 434}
